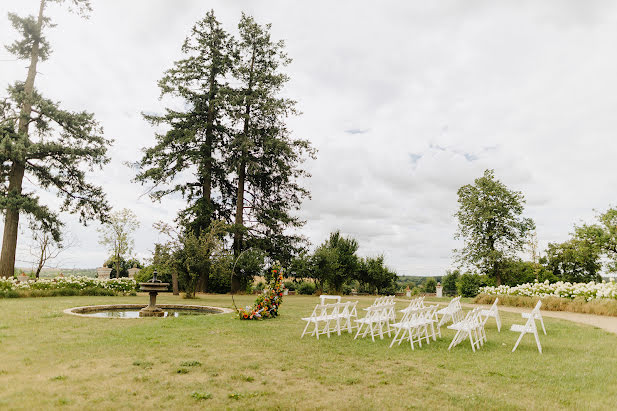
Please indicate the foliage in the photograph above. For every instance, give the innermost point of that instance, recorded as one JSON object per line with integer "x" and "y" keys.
{"x": 114, "y": 285}
{"x": 515, "y": 272}
{"x": 267, "y": 304}
{"x": 51, "y": 147}
{"x": 249, "y": 264}
{"x": 263, "y": 160}
{"x": 468, "y": 285}
{"x": 186, "y": 159}
{"x": 490, "y": 223}
{"x": 219, "y": 280}
{"x": 192, "y": 256}
{"x": 306, "y": 288}
{"x": 116, "y": 236}
{"x": 588, "y": 291}
{"x": 593, "y": 242}
{"x": 449, "y": 283}
{"x": 335, "y": 261}
{"x": 574, "y": 260}
{"x": 430, "y": 285}
{"x": 598, "y": 306}
{"x": 375, "y": 275}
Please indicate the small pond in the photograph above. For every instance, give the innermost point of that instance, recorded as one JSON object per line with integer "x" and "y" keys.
{"x": 135, "y": 313}
{"x": 132, "y": 310}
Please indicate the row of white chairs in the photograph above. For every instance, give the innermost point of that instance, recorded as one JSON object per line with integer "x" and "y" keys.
{"x": 419, "y": 322}
{"x": 329, "y": 318}
{"x": 377, "y": 320}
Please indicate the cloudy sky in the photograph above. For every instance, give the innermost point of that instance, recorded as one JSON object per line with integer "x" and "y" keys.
{"x": 405, "y": 100}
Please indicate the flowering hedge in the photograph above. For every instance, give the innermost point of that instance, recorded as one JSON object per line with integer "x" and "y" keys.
{"x": 120, "y": 285}
{"x": 267, "y": 304}
{"x": 589, "y": 291}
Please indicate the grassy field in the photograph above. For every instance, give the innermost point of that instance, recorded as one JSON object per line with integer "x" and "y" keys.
{"x": 50, "y": 359}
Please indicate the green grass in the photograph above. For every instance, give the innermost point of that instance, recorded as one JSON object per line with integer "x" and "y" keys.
{"x": 50, "y": 360}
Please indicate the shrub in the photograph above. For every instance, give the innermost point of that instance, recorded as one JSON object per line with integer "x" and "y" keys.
{"x": 588, "y": 291}
{"x": 430, "y": 285}
{"x": 290, "y": 285}
{"x": 306, "y": 288}
{"x": 578, "y": 305}
{"x": 449, "y": 283}
{"x": 468, "y": 285}
{"x": 220, "y": 280}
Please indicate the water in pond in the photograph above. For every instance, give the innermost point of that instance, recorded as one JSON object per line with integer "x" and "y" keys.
{"x": 135, "y": 313}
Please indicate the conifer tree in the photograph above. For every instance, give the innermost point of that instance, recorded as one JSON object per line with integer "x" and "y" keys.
{"x": 186, "y": 159}
{"x": 50, "y": 146}
{"x": 264, "y": 157}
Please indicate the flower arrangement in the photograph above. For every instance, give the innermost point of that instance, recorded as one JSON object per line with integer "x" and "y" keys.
{"x": 589, "y": 291}
{"x": 123, "y": 285}
{"x": 268, "y": 303}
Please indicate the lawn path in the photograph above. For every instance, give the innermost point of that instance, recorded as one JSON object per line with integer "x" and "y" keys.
{"x": 601, "y": 321}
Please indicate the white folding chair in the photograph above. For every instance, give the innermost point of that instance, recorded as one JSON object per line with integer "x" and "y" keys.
{"x": 347, "y": 312}
{"x": 537, "y": 316}
{"x": 493, "y": 312}
{"x": 433, "y": 319}
{"x": 376, "y": 318}
{"x": 330, "y": 315}
{"x": 453, "y": 312}
{"x": 471, "y": 326}
{"x": 317, "y": 317}
{"x": 529, "y": 327}
{"x": 413, "y": 327}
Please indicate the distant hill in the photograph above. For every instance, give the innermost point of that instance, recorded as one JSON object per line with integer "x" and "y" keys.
{"x": 54, "y": 272}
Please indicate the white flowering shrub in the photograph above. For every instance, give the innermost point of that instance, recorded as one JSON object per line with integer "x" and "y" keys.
{"x": 589, "y": 291}
{"x": 121, "y": 285}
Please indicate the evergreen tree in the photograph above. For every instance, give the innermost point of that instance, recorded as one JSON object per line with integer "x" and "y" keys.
{"x": 490, "y": 222}
{"x": 186, "y": 160}
{"x": 51, "y": 146}
{"x": 264, "y": 157}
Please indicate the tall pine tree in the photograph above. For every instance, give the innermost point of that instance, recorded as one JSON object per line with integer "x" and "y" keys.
{"x": 264, "y": 157}
{"x": 51, "y": 146}
{"x": 186, "y": 159}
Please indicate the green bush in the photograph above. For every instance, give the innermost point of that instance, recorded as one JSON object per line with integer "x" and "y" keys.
{"x": 449, "y": 283}
{"x": 58, "y": 292}
{"x": 468, "y": 285}
{"x": 306, "y": 288}
{"x": 430, "y": 285}
{"x": 220, "y": 280}
{"x": 291, "y": 285}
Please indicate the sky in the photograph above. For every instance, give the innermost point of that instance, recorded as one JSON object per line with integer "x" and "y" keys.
{"x": 405, "y": 101}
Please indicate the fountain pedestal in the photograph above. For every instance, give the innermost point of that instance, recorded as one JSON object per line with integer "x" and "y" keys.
{"x": 153, "y": 288}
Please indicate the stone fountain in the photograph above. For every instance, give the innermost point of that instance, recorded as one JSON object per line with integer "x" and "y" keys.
{"x": 153, "y": 287}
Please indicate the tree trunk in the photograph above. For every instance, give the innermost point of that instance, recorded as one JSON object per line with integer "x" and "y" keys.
{"x": 497, "y": 274}
{"x": 16, "y": 174}
{"x": 235, "y": 280}
{"x": 42, "y": 257}
{"x": 174, "y": 283}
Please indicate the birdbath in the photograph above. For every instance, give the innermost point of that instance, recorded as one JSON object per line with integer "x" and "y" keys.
{"x": 153, "y": 287}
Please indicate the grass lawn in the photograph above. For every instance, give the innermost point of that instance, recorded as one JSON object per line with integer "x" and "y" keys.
{"x": 52, "y": 359}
